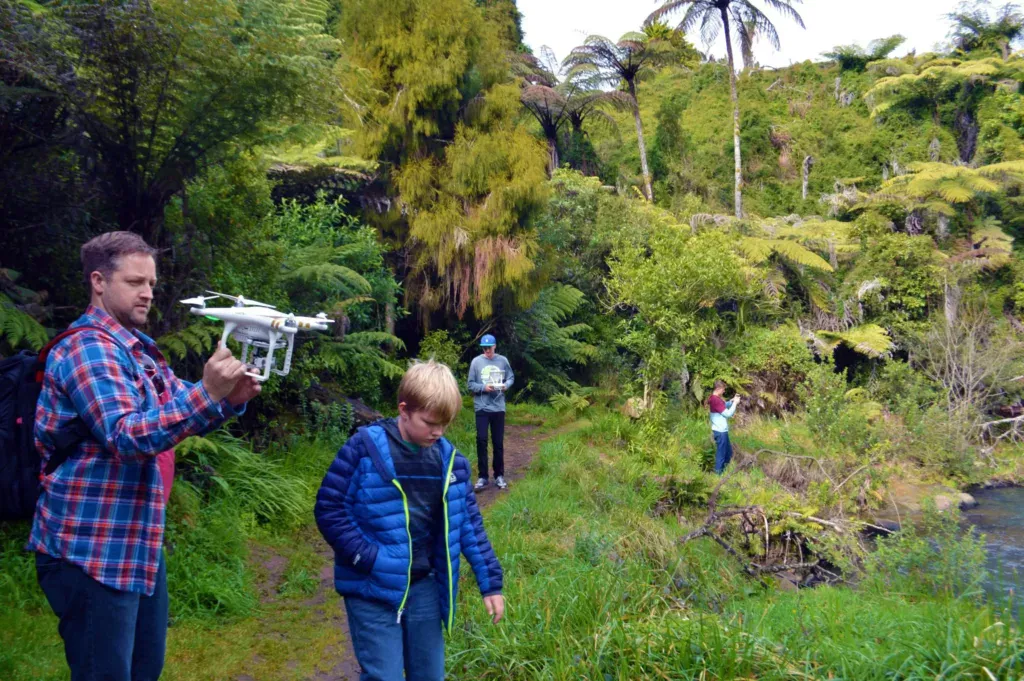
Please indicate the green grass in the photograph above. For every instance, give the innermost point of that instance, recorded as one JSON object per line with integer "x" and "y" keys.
{"x": 234, "y": 501}
{"x": 598, "y": 588}
{"x": 597, "y": 585}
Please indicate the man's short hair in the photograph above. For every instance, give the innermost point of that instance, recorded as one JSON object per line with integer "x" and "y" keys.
{"x": 103, "y": 253}
{"x": 431, "y": 387}
{"x": 719, "y": 384}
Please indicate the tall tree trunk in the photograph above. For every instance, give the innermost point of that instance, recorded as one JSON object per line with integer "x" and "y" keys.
{"x": 640, "y": 142}
{"x": 552, "y": 155}
{"x": 735, "y": 116}
{"x": 808, "y": 163}
{"x": 389, "y": 322}
{"x": 966, "y": 125}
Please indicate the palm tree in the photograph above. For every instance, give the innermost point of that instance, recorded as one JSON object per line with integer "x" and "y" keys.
{"x": 622, "y": 64}
{"x": 714, "y": 16}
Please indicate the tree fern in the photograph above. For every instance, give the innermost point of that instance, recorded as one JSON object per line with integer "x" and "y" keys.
{"x": 367, "y": 339}
{"x": 549, "y": 347}
{"x": 990, "y": 247}
{"x": 868, "y": 339}
{"x": 329, "y": 277}
{"x": 19, "y": 329}
{"x": 799, "y": 255}
{"x": 360, "y": 351}
{"x": 759, "y": 250}
{"x": 197, "y": 339}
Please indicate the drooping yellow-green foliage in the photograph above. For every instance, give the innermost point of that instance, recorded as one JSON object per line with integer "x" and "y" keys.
{"x": 412, "y": 67}
{"x": 438, "y": 105}
{"x": 470, "y": 211}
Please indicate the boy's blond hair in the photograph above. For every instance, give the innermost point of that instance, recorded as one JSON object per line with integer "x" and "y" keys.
{"x": 431, "y": 387}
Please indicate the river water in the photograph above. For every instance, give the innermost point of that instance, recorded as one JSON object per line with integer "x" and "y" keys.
{"x": 1000, "y": 516}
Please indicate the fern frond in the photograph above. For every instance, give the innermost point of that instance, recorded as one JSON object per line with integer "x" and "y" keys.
{"x": 19, "y": 329}
{"x": 375, "y": 338}
{"x": 196, "y": 339}
{"x": 868, "y": 339}
{"x": 329, "y": 276}
{"x": 797, "y": 254}
{"x": 755, "y": 249}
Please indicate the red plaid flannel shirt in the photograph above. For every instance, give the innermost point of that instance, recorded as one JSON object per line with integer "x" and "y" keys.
{"x": 103, "y": 508}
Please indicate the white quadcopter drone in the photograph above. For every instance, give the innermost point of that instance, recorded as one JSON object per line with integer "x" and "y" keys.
{"x": 258, "y": 327}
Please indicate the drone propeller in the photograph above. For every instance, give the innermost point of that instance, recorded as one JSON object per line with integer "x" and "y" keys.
{"x": 199, "y": 301}
{"x": 240, "y": 301}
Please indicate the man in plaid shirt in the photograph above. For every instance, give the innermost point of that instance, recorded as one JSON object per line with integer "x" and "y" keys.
{"x": 99, "y": 523}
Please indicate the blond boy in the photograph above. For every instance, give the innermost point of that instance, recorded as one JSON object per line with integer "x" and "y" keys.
{"x": 397, "y": 507}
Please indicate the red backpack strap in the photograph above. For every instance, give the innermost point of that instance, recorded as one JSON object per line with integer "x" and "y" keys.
{"x": 44, "y": 354}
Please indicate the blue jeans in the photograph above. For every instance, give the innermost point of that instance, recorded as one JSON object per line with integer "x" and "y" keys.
{"x": 389, "y": 651}
{"x": 109, "y": 635}
{"x": 723, "y": 451}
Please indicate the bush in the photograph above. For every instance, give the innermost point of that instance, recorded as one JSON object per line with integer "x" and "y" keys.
{"x": 935, "y": 557}
{"x": 903, "y": 390}
{"x": 775, "y": 361}
{"x": 823, "y": 393}
{"x": 330, "y": 421}
{"x": 439, "y": 345}
{"x": 223, "y": 466}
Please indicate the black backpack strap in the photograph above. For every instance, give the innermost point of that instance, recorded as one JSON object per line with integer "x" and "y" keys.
{"x": 75, "y": 431}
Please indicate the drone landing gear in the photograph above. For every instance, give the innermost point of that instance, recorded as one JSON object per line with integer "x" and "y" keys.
{"x": 265, "y": 362}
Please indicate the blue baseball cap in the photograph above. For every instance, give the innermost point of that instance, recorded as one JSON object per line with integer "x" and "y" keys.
{"x": 488, "y": 341}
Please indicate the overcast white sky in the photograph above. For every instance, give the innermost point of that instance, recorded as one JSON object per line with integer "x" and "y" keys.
{"x": 563, "y": 24}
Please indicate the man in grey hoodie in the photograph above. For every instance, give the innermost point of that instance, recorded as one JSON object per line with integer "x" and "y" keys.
{"x": 490, "y": 375}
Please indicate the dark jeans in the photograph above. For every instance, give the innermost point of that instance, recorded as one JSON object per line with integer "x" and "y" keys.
{"x": 109, "y": 635}
{"x": 386, "y": 648}
{"x": 496, "y": 421}
{"x": 723, "y": 451}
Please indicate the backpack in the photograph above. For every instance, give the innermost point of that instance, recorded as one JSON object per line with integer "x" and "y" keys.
{"x": 21, "y": 381}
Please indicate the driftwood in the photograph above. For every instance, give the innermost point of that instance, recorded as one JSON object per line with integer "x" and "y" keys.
{"x": 752, "y": 516}
{"x": 754, "y": 520}
{"x": 1012, "y": 432}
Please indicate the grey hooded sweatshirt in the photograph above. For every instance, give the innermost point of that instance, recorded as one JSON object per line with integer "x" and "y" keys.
{"x": 483, "y": 372}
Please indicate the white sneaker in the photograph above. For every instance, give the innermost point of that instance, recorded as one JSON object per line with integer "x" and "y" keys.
{"x": 500, "y": 483}
{"x": 480, "y": 483}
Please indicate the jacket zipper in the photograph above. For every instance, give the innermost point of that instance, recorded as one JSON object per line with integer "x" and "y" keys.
{"x": 447, "y": 546}
{"x": 408, "y": 534}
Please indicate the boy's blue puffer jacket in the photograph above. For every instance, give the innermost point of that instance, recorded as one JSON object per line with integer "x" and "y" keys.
{"x": 362, "y": 513}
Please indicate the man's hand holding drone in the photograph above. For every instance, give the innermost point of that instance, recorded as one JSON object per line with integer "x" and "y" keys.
{"x": 225, "y": 377}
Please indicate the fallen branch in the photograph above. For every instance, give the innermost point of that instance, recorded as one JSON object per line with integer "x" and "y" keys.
{"x": 840, "y": 485}
{"x": 831, "y": 574}
{"x": 827, "y": 523}
{"x": 783, "y": 567}
{"x": 797, "y": 456}
{"x": 1015, "y": 419}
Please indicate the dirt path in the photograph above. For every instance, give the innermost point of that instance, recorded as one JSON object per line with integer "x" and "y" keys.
{"x": 521, "y": 443}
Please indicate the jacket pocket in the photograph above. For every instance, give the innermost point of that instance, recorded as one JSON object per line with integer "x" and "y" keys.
{"x": 364, "y": 558}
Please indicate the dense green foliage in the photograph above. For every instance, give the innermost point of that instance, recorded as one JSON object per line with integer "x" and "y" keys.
{"x": 410, "y": 169}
